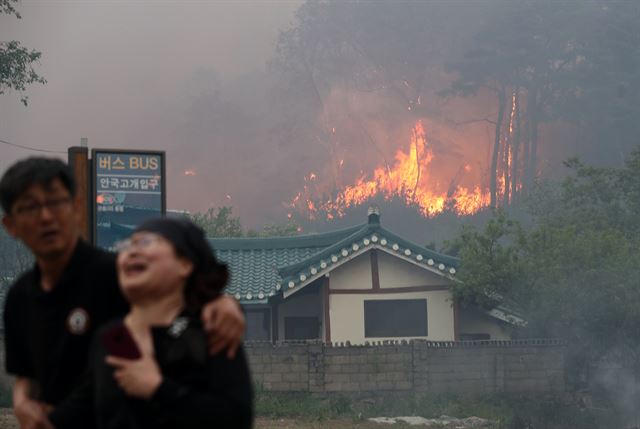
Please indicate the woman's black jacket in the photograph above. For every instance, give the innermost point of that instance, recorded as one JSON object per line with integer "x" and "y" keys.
{"x": 198, "y": 390}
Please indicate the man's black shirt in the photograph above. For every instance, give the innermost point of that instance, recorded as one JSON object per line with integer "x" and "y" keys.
{"x": 48, "y": 334}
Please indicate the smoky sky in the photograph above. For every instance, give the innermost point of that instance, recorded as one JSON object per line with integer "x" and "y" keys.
{"x": 192, "y": 78}
{"x": 127, "y": 74}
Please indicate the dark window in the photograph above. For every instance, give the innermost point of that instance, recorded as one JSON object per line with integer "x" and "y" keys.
{"x": 258, "y": 325}
{"x": 474, "y": 337}
{"x": 301, "y": 328}
{"x": 395, "y": 318}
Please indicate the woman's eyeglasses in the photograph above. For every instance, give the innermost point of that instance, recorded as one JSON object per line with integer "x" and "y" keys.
{"x": 140, "y": 242}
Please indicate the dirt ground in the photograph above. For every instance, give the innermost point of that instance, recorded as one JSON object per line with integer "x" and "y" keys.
{"x": 263, "y": 423}
{"x": 7, "y": 421}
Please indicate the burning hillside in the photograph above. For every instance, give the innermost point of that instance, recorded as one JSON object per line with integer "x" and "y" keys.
{"x": 410, "y": 178}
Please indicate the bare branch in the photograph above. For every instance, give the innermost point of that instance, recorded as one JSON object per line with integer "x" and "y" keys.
{"x": 474, "y": 121}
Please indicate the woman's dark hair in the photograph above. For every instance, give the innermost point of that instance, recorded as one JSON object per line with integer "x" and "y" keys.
{"x": 30, "y": 171}
{"x": 209, "y": 277}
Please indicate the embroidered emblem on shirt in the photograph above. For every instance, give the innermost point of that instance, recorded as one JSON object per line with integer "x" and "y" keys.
{"x": 178, "y": 326}
{"x": 78, "y": 321}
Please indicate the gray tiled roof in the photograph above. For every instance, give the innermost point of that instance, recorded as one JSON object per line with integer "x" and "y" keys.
{"x": 265, "y": 267}
{"x": 254, "y": 262}
{"x": 254, "y": 272}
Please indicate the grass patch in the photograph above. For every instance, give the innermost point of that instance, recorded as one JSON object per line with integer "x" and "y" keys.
{"x": 507, "y": 411}
{"x": 301, "y": 405}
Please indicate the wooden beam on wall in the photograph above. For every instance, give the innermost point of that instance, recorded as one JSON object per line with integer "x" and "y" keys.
{"x": 456, "y": 322}
{"x": 389, "y": 290}
{"x": 327, "y": 314}
{"x": 375, "y": 273}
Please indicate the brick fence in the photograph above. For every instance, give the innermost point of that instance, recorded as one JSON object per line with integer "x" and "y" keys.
{"x": 417, "y": 366}
{"x": 5, "y": 380}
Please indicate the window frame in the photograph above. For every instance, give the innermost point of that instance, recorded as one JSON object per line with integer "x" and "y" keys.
{"x": 421, "y": 330}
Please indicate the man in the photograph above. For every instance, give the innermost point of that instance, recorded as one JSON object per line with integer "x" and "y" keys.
{"x": 53, "y": 309}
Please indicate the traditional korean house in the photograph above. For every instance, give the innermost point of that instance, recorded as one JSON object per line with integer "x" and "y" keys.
{"x": 358, "y": 284}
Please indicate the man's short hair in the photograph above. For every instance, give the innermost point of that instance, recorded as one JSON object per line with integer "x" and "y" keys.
{"x": 31, "y": 171}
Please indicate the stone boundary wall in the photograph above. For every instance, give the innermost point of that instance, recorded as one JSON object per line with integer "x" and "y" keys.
{"x": 519, "y": 366}
{"x": 6, "y": 381}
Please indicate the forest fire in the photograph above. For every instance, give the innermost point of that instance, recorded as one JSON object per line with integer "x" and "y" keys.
{"x": 409, "y": 178}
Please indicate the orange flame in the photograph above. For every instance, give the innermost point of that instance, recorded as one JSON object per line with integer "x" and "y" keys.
{"x": 409, "y": 179}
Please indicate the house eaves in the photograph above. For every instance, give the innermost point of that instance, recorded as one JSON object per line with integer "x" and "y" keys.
{"x": 254, "y": 262}
{"x": 371, "y": 236}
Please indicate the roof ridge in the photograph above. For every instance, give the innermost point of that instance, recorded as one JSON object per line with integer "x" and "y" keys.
{"x": 301, "y": 273}
{"x": 346, "y": 240}
{"x": 286, "y": 270}
{"x": 451, "y": 260}
{"x": 322, "y": 239}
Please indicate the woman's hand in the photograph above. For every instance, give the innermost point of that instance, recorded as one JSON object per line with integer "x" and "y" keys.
{"x": 139, "y": 378}
{"x": 224, "y": 324}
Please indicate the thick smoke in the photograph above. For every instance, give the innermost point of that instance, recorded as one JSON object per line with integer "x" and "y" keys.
{"x": 192, "y": 78}
{"x": 185, "y": 77}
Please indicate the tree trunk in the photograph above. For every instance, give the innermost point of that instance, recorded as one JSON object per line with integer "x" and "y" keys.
{"x": 533, "y": 157}
{"x": 515, "y": 149}
{"x": 417, "y": 184}
{"x": 533, "y": 119}
{"x": 506, "y": 171}
{"x": 502, "y": 102}
{"x": 510, "y": 167}
{"x": 526, "y": 138}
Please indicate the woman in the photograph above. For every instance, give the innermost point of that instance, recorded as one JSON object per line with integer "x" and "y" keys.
{"x": 166, "y": 379}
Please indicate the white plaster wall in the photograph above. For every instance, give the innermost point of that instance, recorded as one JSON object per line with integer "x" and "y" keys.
{"x": 298, "y": 305}
{"x": 347, "y": 315}
{"x": 396, "y": 273}
{"x": 472, "y": 321}
{"x": 354, "y": 274}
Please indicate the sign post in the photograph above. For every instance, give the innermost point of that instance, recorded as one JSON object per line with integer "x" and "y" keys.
{"x": 78, "y": 160}
{"x": 128, "y": 188}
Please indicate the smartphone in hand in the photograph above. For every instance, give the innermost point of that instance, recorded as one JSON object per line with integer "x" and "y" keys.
{"x": 119, "y": 342}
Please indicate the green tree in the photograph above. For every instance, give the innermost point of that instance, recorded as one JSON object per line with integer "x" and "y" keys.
{"x": 606, "y": 103}
{"x": 493, "y": 266}
{"x": 529, "y": 56}
{"x": 281, "y": 230}
{"x": 218, "y": 222}
{"x": 17, "y": 62}
{"x": 574, "y": 272}
{"x": 337, "y": 52}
